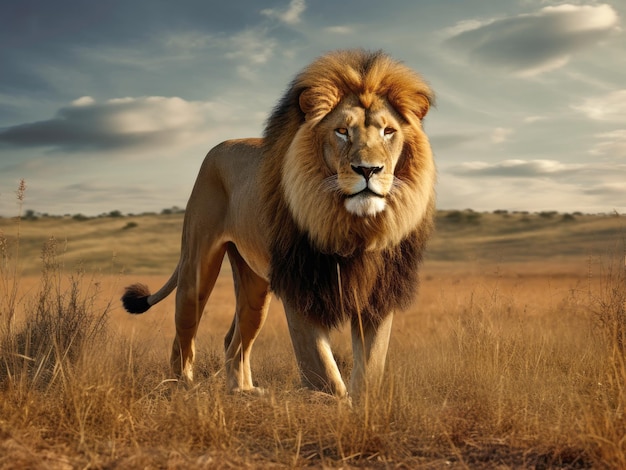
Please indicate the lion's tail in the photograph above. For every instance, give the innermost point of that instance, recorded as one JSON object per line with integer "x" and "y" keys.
{"x": 137, "y": 298}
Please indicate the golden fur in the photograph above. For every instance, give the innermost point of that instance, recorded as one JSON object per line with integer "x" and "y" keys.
{"x": 331, "y": 210}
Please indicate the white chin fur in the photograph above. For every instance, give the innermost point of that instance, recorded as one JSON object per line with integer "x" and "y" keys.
{"x": 365, "y": 206}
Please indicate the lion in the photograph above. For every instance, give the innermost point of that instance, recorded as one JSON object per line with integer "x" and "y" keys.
{"x": 330, "y": 210}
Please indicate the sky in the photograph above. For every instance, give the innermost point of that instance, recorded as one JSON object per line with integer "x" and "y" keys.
{"x": 112, "y": 105}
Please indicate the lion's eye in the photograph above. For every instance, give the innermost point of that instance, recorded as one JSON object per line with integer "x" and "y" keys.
{"x": 389, "y": 131}
{"x": 342, "y": 133}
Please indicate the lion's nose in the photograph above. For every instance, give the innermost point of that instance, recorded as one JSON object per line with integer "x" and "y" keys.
{"x": 366, "y": 171}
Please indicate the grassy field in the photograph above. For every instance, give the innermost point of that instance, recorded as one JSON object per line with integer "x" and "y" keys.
{"x": 511, "y": 357}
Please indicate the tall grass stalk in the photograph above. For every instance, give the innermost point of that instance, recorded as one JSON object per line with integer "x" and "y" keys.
{"x": 605, "y": 416}
{"x": 9, "y": 267}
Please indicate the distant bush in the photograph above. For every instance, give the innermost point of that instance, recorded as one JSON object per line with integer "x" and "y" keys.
{"x": 129, "y": 225}
{"x": 568, "y": 218}
{"x": 115, "y": 214}
{"x": 172, "y": 210}
{"x": 466, "y": 216}
{"x": 548, "y": 214}
{"x": 454, "y": 216}
{"x": 30, "y": 215}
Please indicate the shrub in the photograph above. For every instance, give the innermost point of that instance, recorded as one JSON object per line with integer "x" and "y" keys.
{"x": 548, "y": 214}
{"x": 60, "y": 323}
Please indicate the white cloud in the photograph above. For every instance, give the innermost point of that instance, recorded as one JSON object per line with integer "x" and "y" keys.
{"x": 584, "y": 17}
{"x": 187, "y": 41}
{"x": 290, "y": 16}
{"x": 500, "y": 134}
{"x": 465, "y": 25}
{"x": 343, "y": 30}
{"x": 83, "y": 101}
{"x": 533, "y": 119}
{"x": 117, "y": 123}
{"x": 547, "y": 66}
{"x": 532, "y": 44}
{"x": 612, "y": 144}
{"x": 248, "y": 48}
{"x": 251, "y": 47}
{"x": 610, "y": 107}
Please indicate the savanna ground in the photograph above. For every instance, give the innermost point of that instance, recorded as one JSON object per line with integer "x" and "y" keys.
{"x": 511, "y": 357}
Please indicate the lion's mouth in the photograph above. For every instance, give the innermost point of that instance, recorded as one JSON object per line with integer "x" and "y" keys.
{"x": 367, "y": 192}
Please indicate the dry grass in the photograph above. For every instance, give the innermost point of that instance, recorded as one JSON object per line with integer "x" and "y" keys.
{"x": 497, "y": 365}
{"x": 482, "y": 372}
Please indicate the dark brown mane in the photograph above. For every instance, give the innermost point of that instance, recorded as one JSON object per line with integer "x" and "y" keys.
{"x": 372, "y": 283}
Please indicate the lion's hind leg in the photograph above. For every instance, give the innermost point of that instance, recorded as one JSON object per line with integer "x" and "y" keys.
{"x": 253, "y": 298}
{"x": 197, "y": 275}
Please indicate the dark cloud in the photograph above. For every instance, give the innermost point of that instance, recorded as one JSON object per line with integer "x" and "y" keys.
{"x": 40, "y": 23}
{"x": 117, "y": 123}
{"x": 100, "y": 45}
{"x": 517, "y": 168}
{"x": 448, "y": 141}
{"x": 534, "y": 43}
{"x": 608, "y": 190}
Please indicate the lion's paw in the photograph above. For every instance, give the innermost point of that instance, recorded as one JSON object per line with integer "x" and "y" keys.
{"x": 253, "y": 391}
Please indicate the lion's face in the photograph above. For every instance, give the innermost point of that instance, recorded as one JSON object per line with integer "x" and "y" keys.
{"x": 361, "y": 150}
{"x": 358, "y": 176}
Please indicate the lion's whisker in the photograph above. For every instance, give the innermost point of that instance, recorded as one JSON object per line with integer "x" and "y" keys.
{"x": 397, "y": 184}
{"x": 330, "y": 184}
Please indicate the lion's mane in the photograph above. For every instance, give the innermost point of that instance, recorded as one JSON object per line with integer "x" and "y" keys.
{"x": 328, "y": 263}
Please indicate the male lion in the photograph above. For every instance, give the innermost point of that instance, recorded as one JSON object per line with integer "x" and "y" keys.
{"x": 330, "y": 210}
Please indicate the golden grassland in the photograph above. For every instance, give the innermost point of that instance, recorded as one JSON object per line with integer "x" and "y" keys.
{"x": 511, "y": 357}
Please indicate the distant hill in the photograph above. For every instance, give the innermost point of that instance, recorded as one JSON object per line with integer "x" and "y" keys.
{"x": 149, "y": 244}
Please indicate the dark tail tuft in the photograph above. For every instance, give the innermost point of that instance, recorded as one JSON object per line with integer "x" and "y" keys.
{"x": 135, "y": 298}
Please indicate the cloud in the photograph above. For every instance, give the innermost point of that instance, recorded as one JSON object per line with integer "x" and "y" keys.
{"x": 500, "y": 135}
{"x": 610, "y": 107}
{"x": 449, "y": 141}
{"x": 534, "y": 185}
{"x": 533, "y": 119}
{"x": 607, "y": 189}
{"x": 341, "y": 30}
{"x": 251, "y": 47}
{"x": 113, "y": 124}
{"x": 612, "y": 144}
{"x": 290, "y": 16}
{"x": 516, "y": 168}
{"x": 531, "y": 44}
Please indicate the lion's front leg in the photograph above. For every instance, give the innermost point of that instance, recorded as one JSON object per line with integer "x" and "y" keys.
{"x": 369, "y": 350}
{"x": 311, "y": 343}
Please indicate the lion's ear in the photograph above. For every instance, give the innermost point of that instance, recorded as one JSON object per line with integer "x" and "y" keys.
{"x": 317, "y": 102}
{"x": 421, "y": 106}
{"x": 416, "y": 103}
